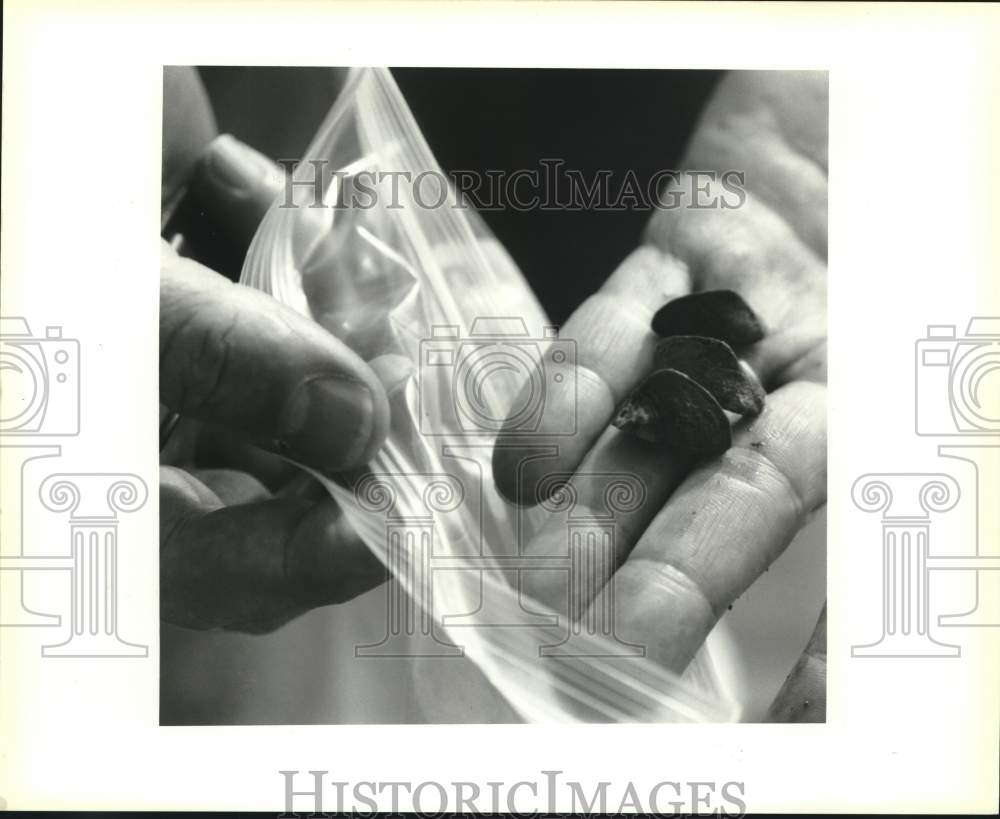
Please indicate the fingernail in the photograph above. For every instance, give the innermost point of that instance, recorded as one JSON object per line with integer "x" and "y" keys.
{"x": 236, "y": 167}
{"x": 328, "y": 422}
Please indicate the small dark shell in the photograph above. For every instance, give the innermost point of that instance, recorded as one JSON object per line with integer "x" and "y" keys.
{"x": 720, "y": 314}
{"x": 669, "y": 407}
{"x": 714, "y": 365}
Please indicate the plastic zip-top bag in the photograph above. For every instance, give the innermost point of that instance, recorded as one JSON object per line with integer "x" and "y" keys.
{"x": 422, "y": 289}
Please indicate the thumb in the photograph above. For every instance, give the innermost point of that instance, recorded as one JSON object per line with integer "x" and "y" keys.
{"x": 234, "y": 356}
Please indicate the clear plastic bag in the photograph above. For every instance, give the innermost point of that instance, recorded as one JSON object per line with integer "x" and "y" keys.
{"x": 429, "y": 292}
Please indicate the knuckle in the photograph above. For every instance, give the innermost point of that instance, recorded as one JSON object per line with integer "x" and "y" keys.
{"x": 757, "y": 473}
{"x": 671, "y": 578}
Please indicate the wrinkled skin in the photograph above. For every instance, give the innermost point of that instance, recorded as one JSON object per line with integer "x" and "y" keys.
{"x": 707, "y": 529}
{"x": 248, "y": 541}
{"x": 233, "y": 549}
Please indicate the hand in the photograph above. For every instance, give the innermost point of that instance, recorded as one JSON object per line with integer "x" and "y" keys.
{"x": 253, "y": 544}
{"x": 706, "y": 530}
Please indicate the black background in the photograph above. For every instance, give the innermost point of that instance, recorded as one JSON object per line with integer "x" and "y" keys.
{"x": 505, "y": 119}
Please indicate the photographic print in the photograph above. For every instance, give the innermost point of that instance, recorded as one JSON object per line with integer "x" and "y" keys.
{"x": 499, "y": 408}
{"x": 518, "y": 396}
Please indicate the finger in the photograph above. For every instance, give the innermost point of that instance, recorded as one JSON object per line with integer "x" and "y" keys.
{"x": 796, "y": 103}
{"x": 726, "y": 523}
{"x": 749, "y": 126}
{"x": 802, "y": 697}
{"x": 614, "y": 346}
{"x": 188, "y": 126}
{"x": 181, "y": 440}
{"x": 602, "y": 488}
{"x": 303, "y": 486}
{"x": 797, "y": 353}
{"x": 235, "y": 185}
{"x": 218, "y": 446}
{"x": 232, "y": 486}
{"x": 234, "y": 356}
{"x": 755, "y": 252}
{"x": 749, "y": 249}
{"x": 253, "y": 567}
{"x": 231, "y": 186}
